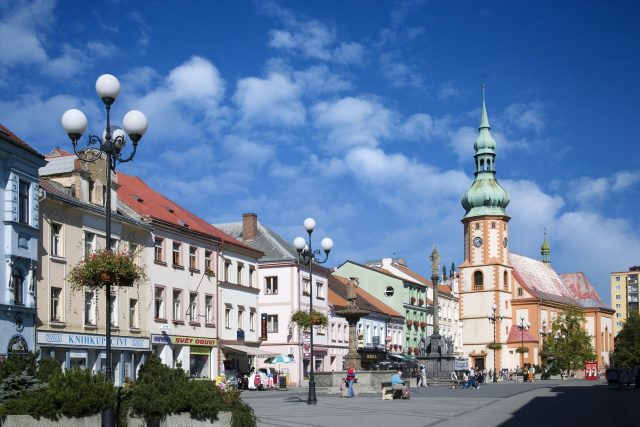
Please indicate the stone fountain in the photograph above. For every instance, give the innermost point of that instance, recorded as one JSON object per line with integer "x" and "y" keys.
{"x": 352, "y": 313}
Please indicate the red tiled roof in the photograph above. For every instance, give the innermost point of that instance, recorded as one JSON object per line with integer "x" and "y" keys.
{"x": 579, "y": 286}
{"x": 443, "y": 289}
{"x": 14, "y": 139}
{"x": 539, "y": 279}
{"x": 58, "y": 152}
{"x": 517, "y": 336}
{"x": 364, "y": 300}
{"x": 145, "y": 201}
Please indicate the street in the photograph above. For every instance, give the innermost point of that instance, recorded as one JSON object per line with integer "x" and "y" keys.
{"x": 548, "y": 403}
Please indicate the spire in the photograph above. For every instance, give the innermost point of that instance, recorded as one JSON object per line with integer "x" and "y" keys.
{"x": 545, "y": 249}
{"x": 484, "y": 119}
{"x": 486, "y": 196}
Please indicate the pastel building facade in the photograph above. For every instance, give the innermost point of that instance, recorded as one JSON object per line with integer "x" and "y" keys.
{"x": 71, "y": 323}
{"x": 19, "y": 235}
{"x": 283, "y": 287}
{"x": 624, "y": 295}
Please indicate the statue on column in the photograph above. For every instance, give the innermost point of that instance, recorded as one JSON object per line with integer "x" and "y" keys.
{"x": 352, "y": 284}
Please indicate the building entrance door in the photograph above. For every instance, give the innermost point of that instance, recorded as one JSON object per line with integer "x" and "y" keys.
{"x": 478, "y": 363}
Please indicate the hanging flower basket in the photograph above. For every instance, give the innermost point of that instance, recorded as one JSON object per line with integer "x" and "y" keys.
{"x": 420, "y": 301}
{"x": 494, "y": 346}
{"x": 423, "y": 325}
{"x": 306, "y": 319}
{"x": 522, "y": 350}
{"x": 416, "y": 350}
{"x": 409, "y": 322}
{"x": 409, "y": 350}
{"x": 103, "y": 266}
{"x": 413, "y": 300}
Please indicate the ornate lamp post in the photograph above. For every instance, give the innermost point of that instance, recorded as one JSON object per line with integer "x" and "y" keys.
{"x": 111, "y": 144}
{"x": 543, "y": 334}
{"x": 307, "y": 256}
{"x": 493, "y": 319}
{"x": 523, "y": 327}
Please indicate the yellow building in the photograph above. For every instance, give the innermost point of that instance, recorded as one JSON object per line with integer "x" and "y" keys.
{"x": 624, "y": 294}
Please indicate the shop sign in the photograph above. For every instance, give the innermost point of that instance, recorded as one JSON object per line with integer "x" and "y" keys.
{"x": 461, "y": 364}
{"x": 17, "y": 345}
{"x": 82, "y": 340}
{"x": 263, "y": 326}
{"x": 180, "y": 340}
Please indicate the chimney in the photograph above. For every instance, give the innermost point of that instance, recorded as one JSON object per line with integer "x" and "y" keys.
{"x": 249, "y": 226}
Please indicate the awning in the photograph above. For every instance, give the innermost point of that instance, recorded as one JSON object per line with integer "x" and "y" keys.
{"x": 249, "y": 351}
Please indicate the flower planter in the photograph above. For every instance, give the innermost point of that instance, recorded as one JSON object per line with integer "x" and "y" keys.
{"x": 421, "y": 302}
{"x": 423, "y": 325}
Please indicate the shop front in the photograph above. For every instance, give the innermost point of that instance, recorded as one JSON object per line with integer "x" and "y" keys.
{"x": 370, "y": 355}
{"x": 193, "y": 354}
{"x": 240, "y": 357}
{"x": 87, "y": 351}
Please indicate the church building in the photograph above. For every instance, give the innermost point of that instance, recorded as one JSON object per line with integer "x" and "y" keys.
{"x": 523, "y": 295}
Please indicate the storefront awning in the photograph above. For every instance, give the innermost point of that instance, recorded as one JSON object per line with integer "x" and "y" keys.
{"x": 249, "y": 351}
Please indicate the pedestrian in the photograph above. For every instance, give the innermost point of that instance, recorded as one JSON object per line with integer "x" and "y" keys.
{"x": 418, "y": 376}
{"x": 423, "y": 374}
{"x": 465, "y": 380}
{"x": 454, "y": 380}
{"x": 351, "y": 378}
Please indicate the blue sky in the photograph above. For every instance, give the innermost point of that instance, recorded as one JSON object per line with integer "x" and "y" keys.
{"x": 361, "y": 114}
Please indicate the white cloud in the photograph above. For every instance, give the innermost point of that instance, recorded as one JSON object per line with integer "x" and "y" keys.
{"x": 525, "y": 116}
{"x": 399, "y": 73}
{"x": 448, "y": 91}
{"x": 625, "y": 180}
{"x": 422, "y": 126}
{"x": 353, "y": 122}
{"x": 20, "y": 31}
{"x": 588, "y": 192}
{"x": 246, "y": 152}
{"x": 349, "y": 53}
{"x": 272, "y": 101}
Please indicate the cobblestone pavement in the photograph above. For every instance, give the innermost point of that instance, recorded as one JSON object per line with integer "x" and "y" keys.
{"x": 543, "y": 403}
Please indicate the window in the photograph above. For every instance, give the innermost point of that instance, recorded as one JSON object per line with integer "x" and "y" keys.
{"x": 240, "y": 319}
{"x": 305, "y": 286}
{"x": 208, "y": 309}
{"x": 493, "y": 224}
{"x": 227, "y": 318}
{"x": 176, "y": 258}
{"x": 227, "y": 267}
{"x": 177, "y": 303}
{"x": 16, "y": 285}
{"x": 115, "y": 245}
{"x": 113, "y": 304}
{"x": 89, "y": 243}
{"x": 23, "y": 202}
{"x": 159, "y": 303}
{"x": 56, "y": 310}
{"x": 252, "y": 270}
{"x": 193, "y": 307}
{"x": 158, "y": 249}
{"x": 271, "y": 285}
{"x": 133, "y": 250}
{"x": 618, "y": 297}
{"x": 477, "y": 226}
{"x": 505, "y": 281}
{"x": 272, "y": 323}
{"x": 92, "y": 190}
{"x": 56, "y": 239}
{"x": 193, "y": 258}
{"x": 618, "y": 315}
{"x": 319, "y": 293}
{"x": 477, "y": 281}
{"x": 252, "y": 321}
{"x": 239, "y": 273}
{"x": 617, "y": 278}
{"x": 388, "y": 292}
{"x": 90, "y": 308}
{"x": 133, "y": 313}
{"x": 617, "y": 287}
{"x": 519, "y": 292}
{"x": 208, "y": 267}
{"x": 617, "y": 305}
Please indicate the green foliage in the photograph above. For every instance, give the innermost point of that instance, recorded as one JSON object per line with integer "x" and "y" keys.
{"x": 627, "y": 343}
{"x": 522, "y": 350}
{"x": 17, "y": 384}
{"x": 121, "y": 266}
{"x": 162, "y": 391}
{"x": 306, "y": 319}
{"x": 16, "y": 364}
{"x": 494, "y": 346}
{"x": 47, "y": 368}
{"x": 73, "y": 393}
{"x": 570, "y": 352}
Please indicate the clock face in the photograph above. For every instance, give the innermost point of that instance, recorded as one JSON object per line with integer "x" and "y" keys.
{"x": 477, "y": 242}
{"x": 504, "y": 242}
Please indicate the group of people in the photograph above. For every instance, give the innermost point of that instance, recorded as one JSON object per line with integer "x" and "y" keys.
{"x": 397, "y": 383}
{"x": 469, "y": 379}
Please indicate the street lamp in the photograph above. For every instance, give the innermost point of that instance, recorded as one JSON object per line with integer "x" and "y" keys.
{"x": 493, "y": 320}
{"x": 307, "y": 256}
{"x": 523, "y": 326}
{"x": 543, "y": 334}
{"x": 112, "y": 142}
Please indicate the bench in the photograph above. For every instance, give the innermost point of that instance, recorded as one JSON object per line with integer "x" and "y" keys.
{"x": 389, "y": 393}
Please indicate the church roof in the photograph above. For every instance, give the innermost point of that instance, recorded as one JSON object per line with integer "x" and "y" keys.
{"x": 540, "y": 280}
{"x": 517, "y": 336}
{"x": 582, "y": 290}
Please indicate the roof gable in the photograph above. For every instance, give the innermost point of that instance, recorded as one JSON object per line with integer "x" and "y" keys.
{"x": 539, "y": 279}
{"x": 364, "y": 300}
{"x": 274, "y": 247}
{"x": 581, "y": 289}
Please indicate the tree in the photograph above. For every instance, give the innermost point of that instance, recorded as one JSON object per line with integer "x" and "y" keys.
{"x": 568, "y": 344}
{"x": 627, "y": 343}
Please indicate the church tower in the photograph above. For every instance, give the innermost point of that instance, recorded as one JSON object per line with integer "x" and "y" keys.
{"x": 485, "y": 274}
{"x": 545, "y": 250}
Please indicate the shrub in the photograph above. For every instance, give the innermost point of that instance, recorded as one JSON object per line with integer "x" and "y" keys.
{"x": 15, "y": 364}
{"x": 17, "y": 384}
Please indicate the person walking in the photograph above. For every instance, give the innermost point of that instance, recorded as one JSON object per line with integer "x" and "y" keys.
{"x": 351, "y": 378}
{"x": 423, "y": 374}
{"x": 418, "y": 376}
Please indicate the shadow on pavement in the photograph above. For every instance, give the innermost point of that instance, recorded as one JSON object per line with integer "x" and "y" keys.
{"x": 580, "y": 406}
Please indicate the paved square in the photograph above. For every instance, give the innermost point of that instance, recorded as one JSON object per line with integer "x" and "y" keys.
{"x": 544, "y": 403}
